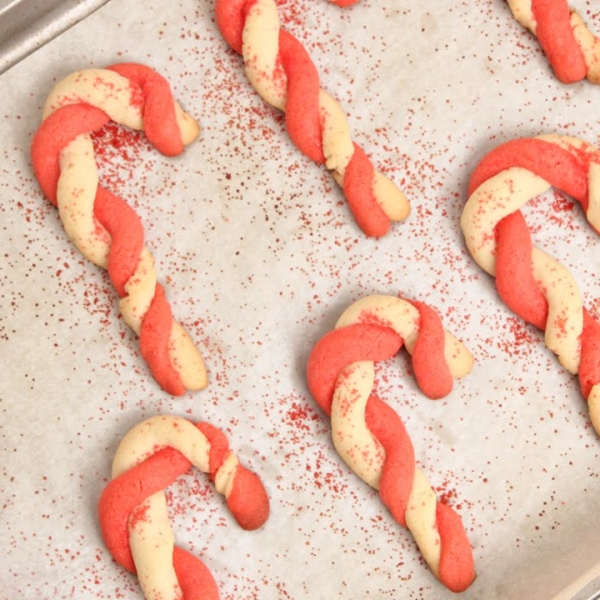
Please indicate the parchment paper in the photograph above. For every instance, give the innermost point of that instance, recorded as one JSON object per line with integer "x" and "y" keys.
{"x": 259, "y": 256}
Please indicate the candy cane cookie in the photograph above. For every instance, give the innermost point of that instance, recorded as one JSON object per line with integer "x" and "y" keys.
{"x": 370, "y": 436}
{"x": 533, "y": 284}
{"x": 572, "y": 49}
{"x": 101, "y": 225}
{"x": 133, "y": 508}
{"x": 281, "y": 71}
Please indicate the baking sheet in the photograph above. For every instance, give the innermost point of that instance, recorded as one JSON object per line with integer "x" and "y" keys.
{"x": 259, "y": 256}
{"x": 26, "y": 25}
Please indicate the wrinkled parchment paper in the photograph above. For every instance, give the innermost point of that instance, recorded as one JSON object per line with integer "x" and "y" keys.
{"x": 259, "y": 256}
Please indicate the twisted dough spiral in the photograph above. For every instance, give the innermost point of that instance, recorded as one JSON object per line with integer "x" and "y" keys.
{"x": 102, "y": 226}
{"x": 281, "y": 71}
{"x": 133, "y": 509}
{"x": 572, "y": 49}
{"x": 533, "y": 284}
{"x": 370, "y": 436}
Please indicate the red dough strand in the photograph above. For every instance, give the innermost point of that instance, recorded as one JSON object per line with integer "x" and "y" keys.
{"x": 429, "y": 363}
{"x": 160, "y": 122}
{"x": 399, "y": 467}
{"x": 344, "y": 2}
{"x": 513, "y": 264}
{"x": 302, "y": 105}
{"x": 196, "y": 581}
{"x": 358, "y": 189}
{"x": 589, "y": 369}
{"x": 154, "y": 343}
{"x": 456, "y": 562}
{"x": 556, "y": 38}
{"x": 127, "y": 237}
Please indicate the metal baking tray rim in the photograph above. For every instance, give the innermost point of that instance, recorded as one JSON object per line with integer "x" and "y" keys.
{"x": 26, "y": 25}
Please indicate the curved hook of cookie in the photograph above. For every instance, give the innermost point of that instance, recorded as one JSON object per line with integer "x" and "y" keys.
{"x": 572, "y": 49}
{"x": 132, "y": 508}
{"x": 370, "y": 436}
{"x": 281, "y": 71}
{"x": 102, "y": 226}
{"x": 533, "y": 284}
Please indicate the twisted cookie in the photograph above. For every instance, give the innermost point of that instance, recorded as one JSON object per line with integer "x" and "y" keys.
{"x": 572, "y": 49}
{"x": 533, "y": 284}
{"x": 133, "y": 510}
{"x": 103, "y": 227}
{"x": 370, "y": 436}
{"x": 281, "y": 71}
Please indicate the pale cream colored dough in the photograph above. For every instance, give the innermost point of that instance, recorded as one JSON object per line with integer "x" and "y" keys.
{"x": 76, "y": 193}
